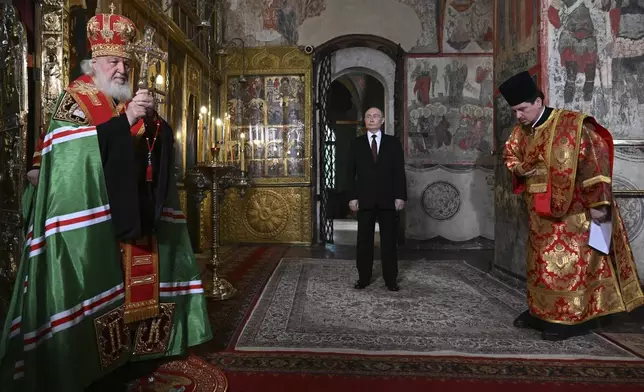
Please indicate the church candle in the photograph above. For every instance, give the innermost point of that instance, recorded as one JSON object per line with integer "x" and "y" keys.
{"x": 242, "y": 139}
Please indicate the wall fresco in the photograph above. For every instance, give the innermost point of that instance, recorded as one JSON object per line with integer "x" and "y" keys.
{"x": 449, "y": 110}
{"x": 517, "y": 37}
{"x": 428, "y": 15}
{"x": 596, "y": 61}
{"x": 412, "y": 23}
{"x": 269, "y": 22}
{"x": 468, "y": 26}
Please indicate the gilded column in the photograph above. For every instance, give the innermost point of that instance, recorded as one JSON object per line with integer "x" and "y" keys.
{"x": 54, "y": 54}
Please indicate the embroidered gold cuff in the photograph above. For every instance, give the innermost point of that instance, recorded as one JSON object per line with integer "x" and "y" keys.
{"x": 596, "y": 180}
{"x": 537, "y": 188}
{"x": 599, "y": 204}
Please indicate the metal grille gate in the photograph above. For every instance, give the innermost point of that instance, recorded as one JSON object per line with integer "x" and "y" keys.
{"x": 327, "y": 151}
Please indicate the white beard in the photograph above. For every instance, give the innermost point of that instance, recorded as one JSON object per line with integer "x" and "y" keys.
{"x": 120, "y": 92}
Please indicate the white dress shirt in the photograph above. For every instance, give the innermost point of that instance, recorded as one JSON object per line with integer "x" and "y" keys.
{"x": 378, "y": 138}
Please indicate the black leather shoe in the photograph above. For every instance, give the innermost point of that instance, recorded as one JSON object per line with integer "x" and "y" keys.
{"x": 559, "y": 332}
{"x": 360, "y": 285}
{"x": 393, "y": 287}
{"x": 556, "y": 333}
{"x": 525, "y": 320}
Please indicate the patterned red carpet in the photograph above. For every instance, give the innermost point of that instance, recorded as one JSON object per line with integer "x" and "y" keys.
{"x": 250, "y": 268}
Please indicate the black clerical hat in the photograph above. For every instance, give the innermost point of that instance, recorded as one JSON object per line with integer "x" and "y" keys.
{"x": 519, "y": 88}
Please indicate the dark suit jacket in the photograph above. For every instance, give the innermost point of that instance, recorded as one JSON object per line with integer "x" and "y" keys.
{"x": 376, "y": 184}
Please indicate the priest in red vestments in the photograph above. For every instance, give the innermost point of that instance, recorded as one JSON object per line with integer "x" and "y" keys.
{"x": 562, "y": 161}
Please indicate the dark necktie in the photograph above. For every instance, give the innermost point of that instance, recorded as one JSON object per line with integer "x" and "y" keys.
{"x": 374, "y": 148}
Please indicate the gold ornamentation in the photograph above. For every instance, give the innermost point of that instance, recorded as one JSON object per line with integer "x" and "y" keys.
{"x": 266, "y": 213}
{"x": 93, "y": 27}
{"x": 265, "y": 60}
{"x": 146, "y": 52}
{"x": 537, "y": 188}
{"x": 106, "y": 32}
{"x": 112, "y": 337}
{"x": 152, "y": 335}
{"x": 183, "y": 200}
{"x": 596, "y": 180}
{"x": 205, "y": 229}
{"x": 51, "y": 22}
{"x": 70, "y": 111}
{"x": 109, "y": 50}
{"x": 54, "y": 57}
{"x": 296, "y": 59}
{"x": 560, "y": 261}
{"x": 89, "y": 90}
{"x": 568, "y": 127}
{"x": 298, "y": 226}
{"x": 124, "y": 29}
{"x": 13, "y": 145}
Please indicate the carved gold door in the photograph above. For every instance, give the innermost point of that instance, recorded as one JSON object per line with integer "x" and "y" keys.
{"x": 13, "y": 144}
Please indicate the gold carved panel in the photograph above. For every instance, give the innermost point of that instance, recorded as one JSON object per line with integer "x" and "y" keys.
{"x": 267, "y": 215}
{"x": 13, "y": 146}
{"x": 183, "y": 200}
{"x": 205, "y": 229}
{"x": 53, "y": 56}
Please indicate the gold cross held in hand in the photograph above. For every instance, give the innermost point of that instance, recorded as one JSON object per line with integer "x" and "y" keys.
{"x": 147, "y": 53}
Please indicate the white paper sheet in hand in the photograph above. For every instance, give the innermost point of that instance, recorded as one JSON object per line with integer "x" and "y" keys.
{"x": 600, "y": 236}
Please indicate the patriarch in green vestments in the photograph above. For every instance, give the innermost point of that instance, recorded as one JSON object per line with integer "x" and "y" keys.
{"x": 107, "y": 275}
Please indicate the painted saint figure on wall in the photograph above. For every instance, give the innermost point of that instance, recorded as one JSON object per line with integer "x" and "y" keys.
{"x": 627, "y": 27}
{"x": 577, "y": 47}
{"x": 455, "y": 77}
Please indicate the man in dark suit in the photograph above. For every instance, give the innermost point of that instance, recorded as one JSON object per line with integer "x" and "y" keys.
{"x": 377, "y": 190}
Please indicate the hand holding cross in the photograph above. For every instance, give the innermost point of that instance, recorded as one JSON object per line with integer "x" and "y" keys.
{"x": 148, "y": 54}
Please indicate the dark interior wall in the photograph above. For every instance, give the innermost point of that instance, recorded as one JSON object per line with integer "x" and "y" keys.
{"x": 374, "y": 94}
{"x": 345, "y": 114}
{"x": 514, "y": 53}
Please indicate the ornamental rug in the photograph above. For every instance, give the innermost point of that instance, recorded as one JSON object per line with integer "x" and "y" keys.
{"x": 186, "y": 375}
{"x": 444, "y": 308}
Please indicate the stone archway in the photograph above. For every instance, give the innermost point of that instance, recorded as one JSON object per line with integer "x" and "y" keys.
{"x": 371, "y": 62}
{"x": 374, "y": 56}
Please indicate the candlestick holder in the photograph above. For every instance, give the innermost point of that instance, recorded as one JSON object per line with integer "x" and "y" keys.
{"x": 214, "y": 171}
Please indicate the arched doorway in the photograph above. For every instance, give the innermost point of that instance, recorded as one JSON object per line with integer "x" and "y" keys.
{"x": 369, "y": 55}
{"x": 350, "y": 95}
